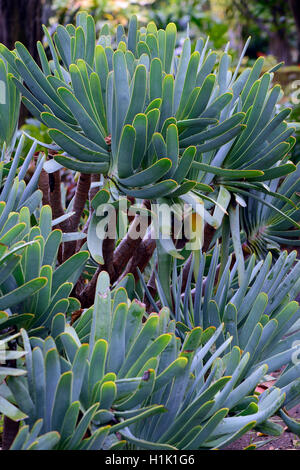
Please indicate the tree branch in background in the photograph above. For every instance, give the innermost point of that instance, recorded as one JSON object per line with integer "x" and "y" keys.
{"x": 87, "y": 295}
{"x": 21, "y": 20}
{"x": 141, "y": 257}
{"x": 130, "y": 244}
{"x": 243, "y": 8}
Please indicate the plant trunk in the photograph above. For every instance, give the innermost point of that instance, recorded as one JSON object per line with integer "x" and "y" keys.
{"x": 141, "y": 258}
{"x": 10, "y": 427}
{"x": 280, "y": 46}
{"x": 130, "y": 244}
{"x": 81, "y": 196}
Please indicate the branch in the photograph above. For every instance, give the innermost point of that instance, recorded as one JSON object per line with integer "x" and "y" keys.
{"x": 130, "y": 243}
{"x": 87, "y": 294}
{"x": 81, "y": 195}
{"x": 55, "y": 200}
{"x": 10, "y": 427}
{"x": 243, "y": 8}
{"x": 141, "y": 257}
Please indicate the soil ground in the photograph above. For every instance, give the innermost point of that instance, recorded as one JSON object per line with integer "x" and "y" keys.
{"x": 287, "y": 441}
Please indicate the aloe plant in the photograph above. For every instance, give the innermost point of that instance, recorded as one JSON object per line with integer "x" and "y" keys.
{"x": 135, "y": 125}
{"x": 261, "y": 314}
{"x": 10, "y": 357}
{"x": 7, "y": 355}
{"x": 32, "y": 290}
{"x": 267, "y": 230}
{"x": 33, "y": 287}
{"x": 135, "y": 379}
{"x": 155, "y": 124}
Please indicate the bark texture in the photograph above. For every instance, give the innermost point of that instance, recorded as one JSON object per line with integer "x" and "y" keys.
{"x": 21, "y": 20}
